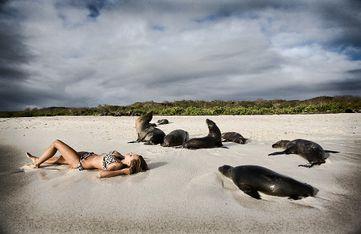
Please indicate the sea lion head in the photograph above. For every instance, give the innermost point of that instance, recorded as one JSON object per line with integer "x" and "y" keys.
{"x": 143, "y": 121}
{"x": 225, "y": 170}
{"x": 210, "y": 123}
{"x": 243, "y": 141}
{"x": 308, "y": 190}
{"x": 213, "y": 129}
{"x": 280, "y": 144}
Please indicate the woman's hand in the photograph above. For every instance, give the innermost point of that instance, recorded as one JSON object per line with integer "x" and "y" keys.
{"x": 114, "y": 152}
{"x": 107, "y": 174}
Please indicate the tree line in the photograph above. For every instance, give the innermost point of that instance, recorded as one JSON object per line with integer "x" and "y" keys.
{"x": 318, "y": 105}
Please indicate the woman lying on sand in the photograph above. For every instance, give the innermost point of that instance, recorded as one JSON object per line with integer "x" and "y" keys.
{"x": 111, "y": 164}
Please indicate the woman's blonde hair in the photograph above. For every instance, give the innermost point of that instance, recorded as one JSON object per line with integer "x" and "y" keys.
{"x": 138, "y": 165}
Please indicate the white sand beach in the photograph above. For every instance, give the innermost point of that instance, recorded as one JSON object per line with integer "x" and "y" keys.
{"x": 183, "y": 191}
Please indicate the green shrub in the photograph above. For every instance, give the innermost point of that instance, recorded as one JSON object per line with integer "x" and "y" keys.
{"x": 198, "y": 107}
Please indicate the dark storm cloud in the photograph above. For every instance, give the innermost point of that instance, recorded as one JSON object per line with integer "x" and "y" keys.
{"x": 352, "y": 82}
{"x": 12, "y": 95}
{"x": 346, "y": 16}
{"x": 343, "y": 15}
{"x": 13, "y": 50}
{"x": 90, "y": 52}
{"x": 13, "y": 53}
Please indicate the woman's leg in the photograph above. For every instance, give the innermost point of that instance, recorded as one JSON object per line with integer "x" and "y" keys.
{"x": 56, "y": 160}
{"x": 69, "y": 154}
{"x": 52, "y": 160}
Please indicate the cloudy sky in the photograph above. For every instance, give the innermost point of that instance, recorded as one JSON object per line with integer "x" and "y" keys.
{"x": 91, "y": 52}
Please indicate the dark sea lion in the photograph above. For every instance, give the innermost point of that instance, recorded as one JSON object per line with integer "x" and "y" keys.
{"x": 253, "y": 179}
{"x": 309, "y": 150}
{"x": 163, "y": 121}
{"x": 233, "y": 137}
{"x": 176, "y": 138}
{"x": 147, "y": 132}
{"x": 349, "y": 111}
{"x": 212, "y": 140}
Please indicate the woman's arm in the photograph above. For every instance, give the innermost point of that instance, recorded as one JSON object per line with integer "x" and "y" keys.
{"x": 106, "y": 174}
{"x": 116, "y": 153}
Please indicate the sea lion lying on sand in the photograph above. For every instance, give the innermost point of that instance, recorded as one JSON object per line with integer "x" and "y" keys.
{"x": 233, "y": 137}
{"x": 253, "y": 179}
{"x": 309, "y": 150}
{"x": 147, "y": 132}
{"x": 175, "y": 138}
{"x": 212, "y": 140}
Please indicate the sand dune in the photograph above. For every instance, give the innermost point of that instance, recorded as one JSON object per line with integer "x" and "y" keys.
{"x": 183, "y": 192}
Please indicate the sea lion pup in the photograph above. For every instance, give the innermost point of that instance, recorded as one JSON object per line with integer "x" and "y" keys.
{"x": 309, "y": 150}
{"x": 233, "y": 137}
{"x": 253, "y": 179}
{"x": 213, "y": 139}
{"x": 163, "y": 121}
{"x": 175, "y": 138}
{"x": 147, "y": 132}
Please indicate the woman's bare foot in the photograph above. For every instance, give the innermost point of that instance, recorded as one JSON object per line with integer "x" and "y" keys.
{"x": 33, "y": 159}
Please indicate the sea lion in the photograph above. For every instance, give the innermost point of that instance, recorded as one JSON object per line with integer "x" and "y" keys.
{"x": 163, "y": 121}
{"x": 252, "y": 179}
{"x": 147, "y": 132}
{"x": 213, "y": 139}
{"x": 175, "y": 138}
{"x": 233, "y": 137}
{"x": 309, "y": 150}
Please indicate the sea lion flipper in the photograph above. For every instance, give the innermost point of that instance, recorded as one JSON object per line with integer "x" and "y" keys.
{"x": 307, "y": 165}
{"x": 276, "y": 153}
{"x": 136, "y": 141}
{"x": 253, "y": 193}
{"x": 331, "y": 151}
{"x": 294, "y": 197}
{"x": 249, "y": 190}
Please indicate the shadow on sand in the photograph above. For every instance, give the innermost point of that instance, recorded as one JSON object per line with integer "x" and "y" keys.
{"x": 156, "y": 165}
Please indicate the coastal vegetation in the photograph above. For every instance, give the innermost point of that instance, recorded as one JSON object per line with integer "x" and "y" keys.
{"x": 318, "y": 105}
